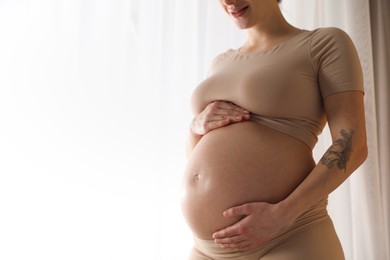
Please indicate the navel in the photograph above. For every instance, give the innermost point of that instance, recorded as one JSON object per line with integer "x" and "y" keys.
{"x": 196, "y": 177}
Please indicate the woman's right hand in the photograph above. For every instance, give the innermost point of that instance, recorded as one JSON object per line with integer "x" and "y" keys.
{"x": 218, "y": 114}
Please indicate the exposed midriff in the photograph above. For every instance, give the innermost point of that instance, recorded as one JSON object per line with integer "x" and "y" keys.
{"x": 240, "y": 163}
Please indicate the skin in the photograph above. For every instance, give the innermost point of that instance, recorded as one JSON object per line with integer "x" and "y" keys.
{"x": 263, "y": 22}
{"x": 216, "y": 114}
{"x": 265, "y": 27}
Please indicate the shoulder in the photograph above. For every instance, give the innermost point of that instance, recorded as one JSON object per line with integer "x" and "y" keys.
{"x": 330, "y": 32}
{"x": 331, "y": 43}
{"x": 330, "y": 35}
{"x": 335, "y": 59}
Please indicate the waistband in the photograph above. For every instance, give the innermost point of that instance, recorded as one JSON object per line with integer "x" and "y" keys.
{"x": 315, "y": 214}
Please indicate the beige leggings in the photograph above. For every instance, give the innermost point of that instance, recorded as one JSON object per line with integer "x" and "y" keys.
{"x": 311, "y": 237}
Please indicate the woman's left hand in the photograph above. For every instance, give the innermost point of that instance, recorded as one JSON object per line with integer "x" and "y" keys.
{"x": 261, "y": 222}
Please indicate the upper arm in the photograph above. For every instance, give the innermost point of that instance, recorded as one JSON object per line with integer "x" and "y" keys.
{"x": 336, "y": 61}
{"x": 340, "y": 80}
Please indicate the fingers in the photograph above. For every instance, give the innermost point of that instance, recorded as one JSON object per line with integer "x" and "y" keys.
{"x": 239, "y": 242}
{"x": 218, "y": 114}
{"x": 243, "y": 210}
{"x": 219, "y": 123}
{"x": 229, "y": 241}
{"x": 228, "y": 108}
{"x": 228, "y": 232}
{"x": 242, "y": 245}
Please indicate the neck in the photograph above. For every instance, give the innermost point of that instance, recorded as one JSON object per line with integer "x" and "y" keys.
{"x": 270, "y": 28}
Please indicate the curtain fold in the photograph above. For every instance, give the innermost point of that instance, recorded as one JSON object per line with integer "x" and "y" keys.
{"x": 380, "y": 27}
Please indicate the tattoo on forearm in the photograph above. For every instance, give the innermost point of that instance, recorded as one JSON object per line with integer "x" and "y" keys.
{"x": 340, "y": 151}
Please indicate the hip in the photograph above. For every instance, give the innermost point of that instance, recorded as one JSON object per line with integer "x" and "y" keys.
{"x": 311, "y": 236}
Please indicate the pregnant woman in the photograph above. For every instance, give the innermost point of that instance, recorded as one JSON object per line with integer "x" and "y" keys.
{"x": 252, "y": 188}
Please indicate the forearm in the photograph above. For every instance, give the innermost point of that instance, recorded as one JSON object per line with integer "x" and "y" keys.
{"x": 343, "y": 157}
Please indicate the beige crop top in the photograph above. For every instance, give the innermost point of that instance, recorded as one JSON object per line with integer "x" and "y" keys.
{"x": 284, "y": 86}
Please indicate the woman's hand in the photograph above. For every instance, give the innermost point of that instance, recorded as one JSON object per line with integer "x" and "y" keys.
{"x": 261, "y": 222}
{"x": 218, "y": 114}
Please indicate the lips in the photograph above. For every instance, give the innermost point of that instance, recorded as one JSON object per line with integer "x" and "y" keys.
{"x": 238, "y": 12}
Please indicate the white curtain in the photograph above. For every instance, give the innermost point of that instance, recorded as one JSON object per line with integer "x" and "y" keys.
{"x": 357, "y": 206}
{"x": 94, "y": 113}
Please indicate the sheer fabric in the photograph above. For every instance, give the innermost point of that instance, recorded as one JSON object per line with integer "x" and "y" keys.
{"x": 94, "y": 113}
{"x": 380, "y": 28}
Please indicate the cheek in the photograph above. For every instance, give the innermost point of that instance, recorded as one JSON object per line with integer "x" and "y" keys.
{"x": 223, "y": 6}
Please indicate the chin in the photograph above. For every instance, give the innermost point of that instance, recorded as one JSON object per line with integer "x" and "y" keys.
{"x": 242, "y": 25}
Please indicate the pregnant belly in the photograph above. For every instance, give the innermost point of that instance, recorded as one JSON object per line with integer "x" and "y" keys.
{"x": 237, "y": 164}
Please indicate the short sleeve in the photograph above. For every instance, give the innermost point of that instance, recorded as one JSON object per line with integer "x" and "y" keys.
{"x": 336, "y": 61}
